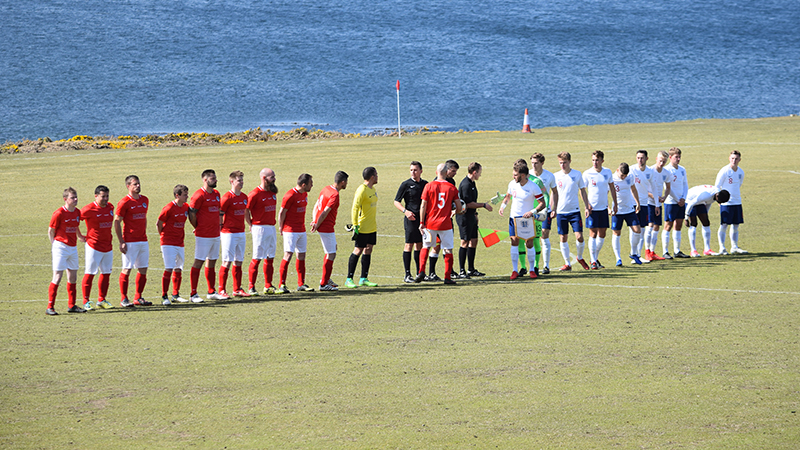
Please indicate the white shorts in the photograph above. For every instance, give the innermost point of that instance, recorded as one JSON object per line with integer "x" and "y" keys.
{"x": 206, "y": 248}
{"x": 294, "y": 242}
{"x": 446, "y": 236}
{"x": 95, "y": 261}
{"x": 137, "y": 256}
{"x": 173, "y": 257}
{"x": 64, "y": 256}
{"x": 265, "y": 241}
{"x": 328, "y": 242}
{"x": 232, "y": 246}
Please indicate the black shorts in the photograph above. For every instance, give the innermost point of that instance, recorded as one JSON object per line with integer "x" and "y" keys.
{"x": 364, "y": 239}
{"x": 467, "y": 226}
{"x": 412, "y": 230}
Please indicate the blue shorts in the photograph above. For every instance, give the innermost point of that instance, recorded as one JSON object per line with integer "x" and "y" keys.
{"x": 674, "y": 212}
{"x": 546, "y": 223}
{"x": 563, "y": 221}
{"x": 731, "y": 215}
{"x": 597, "y": 219}
{"x": 698, "y": 210}
{"x": 643, "y": 216}
{"x": 617, "y": 220}
{"x": 652, "y": 217}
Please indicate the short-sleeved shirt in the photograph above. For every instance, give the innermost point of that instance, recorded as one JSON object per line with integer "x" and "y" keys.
{"x": 468, "y": 191}
{"x": 262, "y": 204}
{"x": 328, "y": 198}
{"x": 731, "y": 181}
{"x": 549, "y": 183}
{"x": 65, "y": 222}
{"x": 700, "y": 195}
{"x": 657, "y": 185}
{"x": 439, "y": 196}
{"x": 642, "y": 180}
{"x": 410, "y": 192}
{"x": 524, "y": 198}
{"x": 99, "y": 222}
{"x": 173, "y": 218}
{"x": 568, "y": 186}
{"x": 597, "y": 185}
{"x": 626, "y": 204}
{"x": 679, "y": 184}
{"x": 134, "y": 218}
{"x": 234, "y": 208}
{"x": 365, "y": 209}
{"x": 206, "y": 207}
{"x": 295, "y": 203}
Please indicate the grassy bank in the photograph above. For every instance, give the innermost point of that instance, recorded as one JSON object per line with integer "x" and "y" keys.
{"x": 699, "y": 353}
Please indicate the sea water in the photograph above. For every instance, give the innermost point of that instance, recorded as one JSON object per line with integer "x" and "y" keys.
{"x": 111, "y": 67}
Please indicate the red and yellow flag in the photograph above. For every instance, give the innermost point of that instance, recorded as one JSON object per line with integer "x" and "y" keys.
{"x": 491, "y": 237}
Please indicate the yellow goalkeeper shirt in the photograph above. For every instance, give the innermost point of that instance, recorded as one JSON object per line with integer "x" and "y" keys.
{"x": 365, "y": 209}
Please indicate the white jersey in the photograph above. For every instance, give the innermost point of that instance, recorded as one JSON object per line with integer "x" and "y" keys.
{"x": 568, "y": 186}
{"x": 731, "y": 181}
{"x": 626, "y": 204}
{"x": 525, "y": 198}
{"x": 597, "y": 186}
{"x": 657, "y": 184}
{"x": 679, "y": 184}
{"x": 642, "y": 179}
{"x": 548, "y": 180}
{"x": 700, "y": 195}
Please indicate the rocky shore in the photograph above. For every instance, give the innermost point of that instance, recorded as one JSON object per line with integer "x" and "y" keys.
{"x": 190, "y": 139}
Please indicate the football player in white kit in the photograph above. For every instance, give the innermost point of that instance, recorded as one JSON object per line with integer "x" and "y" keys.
{"x": 599, "y": 182}
{"x": 628, "y": 212}
{"x": 659, "y": 190}
{"x": 642, "y": 177}
{"x": 675, "y": 204}
{"x": 697, "y": 202}
{"x": 730, "y": 178}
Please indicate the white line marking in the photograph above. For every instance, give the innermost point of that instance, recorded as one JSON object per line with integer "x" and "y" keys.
{"x": 687, "y": 288}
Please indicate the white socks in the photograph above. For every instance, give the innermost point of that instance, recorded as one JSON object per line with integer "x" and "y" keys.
{"x": 692, "y": 238}
{"x": 546, "y": 251}
{"x": 616, "y": 246}
{"x": 565, "y": 253}
{"x": 515, "y": 257}
{"x": 676, "y": 240}
{"x": 579, "y": 251}
{"x": 706, "y": 238}
{"x": 636, "y": 240}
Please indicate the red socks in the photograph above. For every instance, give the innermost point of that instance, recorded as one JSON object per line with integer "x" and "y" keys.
{"x": 105, "y": 280}
{"x": 327, "y": 270}
{"x": 87, "y": 286}
{"x": 223, "y": 277}
{"x": 52, "y": 291}
{"x": 448, "y": 265}
{"x": 177, "y": 277}
{"x": 252, "y": 273}
{"x": 211, "y": 274}
{"x": 195, "y": 279}
{"x": 423, "y": 258}
{"x": 141, "y": 280}
{"x": 123, "y": 285}
{"x": 269, "y": 269}
{"x": 165, "y": 278}
{"x": 284, "y": 269}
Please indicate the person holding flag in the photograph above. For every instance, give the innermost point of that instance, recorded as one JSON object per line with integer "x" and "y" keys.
{"x": 525, "y": 194}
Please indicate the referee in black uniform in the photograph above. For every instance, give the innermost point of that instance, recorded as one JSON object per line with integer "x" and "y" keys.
{"x": 468, "y": 222}
{"x": 410, "y": 193}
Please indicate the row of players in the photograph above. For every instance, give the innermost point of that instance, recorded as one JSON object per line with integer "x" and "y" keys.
{"x": 219, "y": 222}
{"x": 637, "y": 195}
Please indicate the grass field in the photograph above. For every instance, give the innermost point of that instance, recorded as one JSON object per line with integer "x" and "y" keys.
{"x": 699, "y": 353}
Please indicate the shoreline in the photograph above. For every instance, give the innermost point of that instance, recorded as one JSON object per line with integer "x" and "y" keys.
{"x": 84, "y": 142}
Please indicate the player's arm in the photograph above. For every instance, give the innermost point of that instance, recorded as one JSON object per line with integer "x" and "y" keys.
{"x": 504, "y": 203}
{"x": 160, "y": 226}
{"x": 667, "y": 190}
{"x": 80, "y": 236}
{"x": 354, "y": 213}
{"x": 51, "y": 232}
{"x": 320, "y": 219}
{"x": 423, "y": 208}
{"x": 636, "y": 197}
{"x": 247, "y": 217}
{"x": 193, "y": 217}
{"x": 720, "y": 180}
{"x": 281, "y": 219}
{"x": 586, "y": 201}
{"x": 613, "y": 190}
{"x": 541, "y": 203}
{"x": 402, "y": 209}
{"x": 123, "y": 246}
{"x": 553, "y": 199}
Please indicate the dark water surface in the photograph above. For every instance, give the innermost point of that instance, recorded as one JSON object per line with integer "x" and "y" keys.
{"x": 138, "y": 66}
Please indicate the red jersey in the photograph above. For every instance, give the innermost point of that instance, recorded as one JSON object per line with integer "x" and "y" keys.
{"x": 134, "y": 218}
{"x": 206, "y": 206}
{"x": 173, "y": 218}
{"x": 261, "y": 204}
{"x": 329, "y": 197}
{"x": 294, "y": 202}
{"x": 99, "y": 222}
{"x": 439, "y": 196}
{"x": 66, "y": 225}
{"x": 234, "y": 207}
